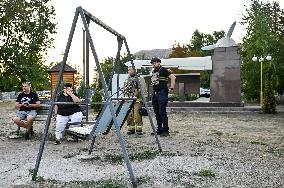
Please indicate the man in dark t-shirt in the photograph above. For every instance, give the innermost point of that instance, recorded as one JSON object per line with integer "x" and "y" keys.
{"x": 65, "y": 112}
{"x": 159, "y": 80}
{"x": 27, "y": 102}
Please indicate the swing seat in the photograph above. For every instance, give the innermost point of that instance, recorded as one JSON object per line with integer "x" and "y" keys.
{"x": 104, "y": 122}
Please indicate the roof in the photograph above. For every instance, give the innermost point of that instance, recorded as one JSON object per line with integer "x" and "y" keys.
{"x": 189, "y": 63}
{"x": 67, "y": 68}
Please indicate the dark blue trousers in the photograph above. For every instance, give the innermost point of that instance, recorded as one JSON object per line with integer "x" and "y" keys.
{"x": 159, "y": 102}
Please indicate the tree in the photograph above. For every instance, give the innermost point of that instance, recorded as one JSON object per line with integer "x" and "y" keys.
{"x": 269, "y": 102}
{"x": 144, "y": 71}
{"x": 277, "y": 15}
{"x": 106, "y": 67}
{"x": 199, "y": 40}
{"x": 261, "y": 39}
{"x": 25, "y": 29}
{"x": 179, "y": 51}
{"x": 78, "y": 77}
{"x": 196, "y": 42}
{"x": 193, "y": 49}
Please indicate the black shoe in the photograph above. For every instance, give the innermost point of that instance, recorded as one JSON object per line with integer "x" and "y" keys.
{"x": 31, "y": 132}
{"x": 130, "y": 132}
{"x": 27, "y": 135}
{"x": 164, "y": 134}
{"x": 139, "y": 132}
{"x": 57, "y": 142}
{"x": 158, "y": 133}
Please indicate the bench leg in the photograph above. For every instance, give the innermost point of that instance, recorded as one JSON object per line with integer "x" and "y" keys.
{"x": 92, "y": 145}
{"x": 18, "y": 131}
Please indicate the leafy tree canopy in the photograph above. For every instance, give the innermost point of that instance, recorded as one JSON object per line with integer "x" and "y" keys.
{"x": 265, "y": 31}
{"x": 26, "y": 27}
{"x": 107, "y": 67}
{"x": 193, "y": 49}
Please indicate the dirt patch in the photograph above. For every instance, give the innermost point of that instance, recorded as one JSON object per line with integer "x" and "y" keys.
{"x": 203, "y": 150}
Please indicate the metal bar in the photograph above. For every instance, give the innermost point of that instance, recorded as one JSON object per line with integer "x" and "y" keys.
{"x": 121, "y": 140}
{"x": 114, "y": 100}
{"x": 41, "y": 148}
{"x": 92, "y": 145}
{"x": 144, "y": 99}
{"x": 111, "y": 76}
{"x": 103, "y": 25}
{"x": 120, "y": 42}
{"x": 87, "y": 84}
{"x": 117, "y": 59}
{"x": 82, "y": 122}
{"x": 261, "y": 94}
{"x": 84, "y": 55}
{"x": 95, "y": 127}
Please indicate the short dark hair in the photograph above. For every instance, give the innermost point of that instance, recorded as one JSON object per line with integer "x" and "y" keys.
{"x": 27, "y": 82}
{"x": 155, "y": 59}
{"x": 67, "y": 85}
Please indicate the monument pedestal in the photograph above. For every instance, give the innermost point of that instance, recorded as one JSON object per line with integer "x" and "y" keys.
{"x": 225, "y": 82}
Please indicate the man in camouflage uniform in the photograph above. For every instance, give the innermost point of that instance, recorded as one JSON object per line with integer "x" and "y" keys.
{"x": 131, "y": 89}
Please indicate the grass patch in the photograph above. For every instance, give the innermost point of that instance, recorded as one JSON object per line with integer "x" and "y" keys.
{"x": 206, "y": 173}
{"x": 143, "y": 180}
{"x": 38, "y": 178}
{"x": 258, "y": 142}
{"x": 70, "y": 155}
{"x": 144, "y": 155}
{"x": 108, "y": 183}
{"x": 84, "y": 149}
{"x": 216, "y": 132}
{"x": 138, "y": 156}
{"x": 170, "y": 154}
{"x": 276, "y": 151}
{"x": 113, "y": 158}
{"x": 180, "y": 177}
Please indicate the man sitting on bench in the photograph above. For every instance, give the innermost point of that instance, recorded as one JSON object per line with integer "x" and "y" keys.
{"x": 65, "y": 112}
{"x": 27, "y": 102}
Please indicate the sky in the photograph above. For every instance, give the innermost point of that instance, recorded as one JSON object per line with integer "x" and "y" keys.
{"x": 146, "y": 24}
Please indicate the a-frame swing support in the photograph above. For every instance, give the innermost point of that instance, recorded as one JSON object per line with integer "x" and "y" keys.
{"x": 86, "y": 17}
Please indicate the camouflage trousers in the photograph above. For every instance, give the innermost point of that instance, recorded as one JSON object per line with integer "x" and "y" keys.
{"x": 134, "y": 119}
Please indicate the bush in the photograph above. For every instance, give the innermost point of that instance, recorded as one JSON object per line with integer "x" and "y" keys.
{"x": 174, "y": 97}
{"x": 269, "y": 101}
{"x": 81, "y": 92}
{"x": 96, "y": 97}
{"x": 191, "y": 97}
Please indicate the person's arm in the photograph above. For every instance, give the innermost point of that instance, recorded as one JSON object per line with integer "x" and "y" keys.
{"x": 73, "y": 96}
{"x": 173, "y": 82}
{"x": 18, "y": 105}
{"x": 36, "y": 105}
{"x": 54, "y": 114}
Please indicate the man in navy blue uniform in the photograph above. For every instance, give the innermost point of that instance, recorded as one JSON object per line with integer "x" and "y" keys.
{"x": 161, "y": 89}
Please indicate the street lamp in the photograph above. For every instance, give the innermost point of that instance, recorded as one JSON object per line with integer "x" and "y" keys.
{"x": 261, "y": 59}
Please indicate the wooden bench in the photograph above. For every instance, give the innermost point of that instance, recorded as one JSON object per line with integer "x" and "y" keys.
{"x": 42, "y": 114}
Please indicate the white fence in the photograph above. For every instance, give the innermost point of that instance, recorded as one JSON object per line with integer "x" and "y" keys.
{"x": 8, "y": 95}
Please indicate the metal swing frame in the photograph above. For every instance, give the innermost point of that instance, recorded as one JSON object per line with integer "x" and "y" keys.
{"x": 86, "y": 18}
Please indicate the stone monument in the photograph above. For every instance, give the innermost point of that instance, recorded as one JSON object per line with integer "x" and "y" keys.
{"x": 225, "y": 82}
